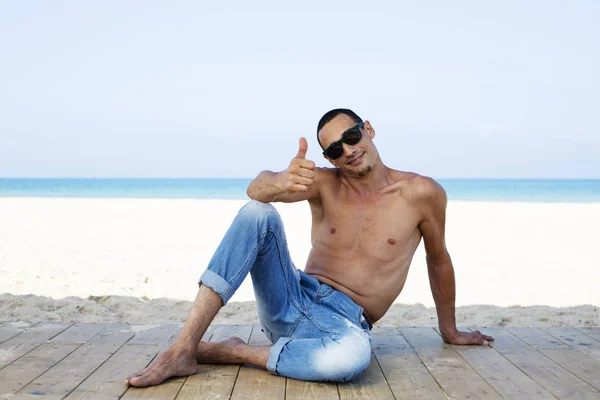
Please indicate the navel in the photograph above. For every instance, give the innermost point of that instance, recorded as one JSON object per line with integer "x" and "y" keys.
{"x": 392, "y": 241}
{"x": 332, "y": 231}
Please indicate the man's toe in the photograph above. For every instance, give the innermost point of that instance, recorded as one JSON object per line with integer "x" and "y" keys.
{"x": 149, "y": 379}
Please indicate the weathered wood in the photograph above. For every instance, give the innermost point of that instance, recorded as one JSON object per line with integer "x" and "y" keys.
{"x": 554, "y": 378}
{"x": 39, "y": 333}
{"x": 27, "y": 368}
{"x": 508, "y": 380}
{"x": 166, "y": 390}
{"x": 370, "y": 385}
{"x": 153, "y": 334}
{"x": 406, "y": 375}
{"x": 24, "y": 396}
{"x": 593, "y": 332}
{"x": 215, "y": 381}
{"x": 108, "y": 381}
{"x": 296, "y": 389}
{"x": 576, "y": 339}
{"x": 11, "y": 329}
{"x": 78, "y": 333}
{"x": 256, "y": 383}
{"x": 585, "y": 368}
{"x": 450, "y": 370}
{"x": 91, "y": 361}
{"x": 66, "y": 375}
{"x": 21, "y": 344}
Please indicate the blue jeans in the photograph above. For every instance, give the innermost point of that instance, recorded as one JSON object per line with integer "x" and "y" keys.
{"x": 318, "y": 333}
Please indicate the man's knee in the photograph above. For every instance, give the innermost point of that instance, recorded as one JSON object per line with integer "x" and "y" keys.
{"x": 343, "y": 360}
{"x": 256, "y": 210}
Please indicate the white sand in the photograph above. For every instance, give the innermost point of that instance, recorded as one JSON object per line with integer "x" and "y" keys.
{"x": 505, "y": 254}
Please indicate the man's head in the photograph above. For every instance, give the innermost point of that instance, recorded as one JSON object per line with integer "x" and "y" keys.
{"x": 347, "y": 141}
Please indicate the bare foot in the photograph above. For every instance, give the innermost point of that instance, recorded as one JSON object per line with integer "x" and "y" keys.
{"x": 223, "y": 352}
{"x": 172, "y": 362}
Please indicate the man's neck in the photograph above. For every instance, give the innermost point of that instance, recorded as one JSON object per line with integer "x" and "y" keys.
{"x": 366, "y": 185}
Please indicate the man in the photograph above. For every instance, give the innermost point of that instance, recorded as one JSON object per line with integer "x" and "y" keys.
{"x": 367, "y": 221}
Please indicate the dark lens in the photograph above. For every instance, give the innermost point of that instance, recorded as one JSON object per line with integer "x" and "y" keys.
{"x": 335, "y": 151}
{"x": 352, "y": 136}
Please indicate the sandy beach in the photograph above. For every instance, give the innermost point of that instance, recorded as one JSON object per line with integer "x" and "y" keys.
{"x": 138, "y": 261}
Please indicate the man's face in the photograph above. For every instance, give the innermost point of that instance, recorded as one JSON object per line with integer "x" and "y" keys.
{"x": 356, "y": 159}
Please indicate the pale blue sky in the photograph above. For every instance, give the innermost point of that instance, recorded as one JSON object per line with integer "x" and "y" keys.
{"x": 190, "y": 89}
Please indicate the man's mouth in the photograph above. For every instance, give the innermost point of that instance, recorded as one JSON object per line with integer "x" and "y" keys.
{"x": 356, "y": 160}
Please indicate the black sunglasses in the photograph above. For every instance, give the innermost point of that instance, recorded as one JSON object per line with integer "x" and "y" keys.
{"x": 350, "y": 137}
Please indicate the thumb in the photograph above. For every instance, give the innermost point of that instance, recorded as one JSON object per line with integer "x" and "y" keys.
{"x": 303, "y": 146}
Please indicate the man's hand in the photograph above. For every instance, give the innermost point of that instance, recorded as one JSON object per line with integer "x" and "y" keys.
{"x": 474, "y": 337}
{"x": 300, "y": 174}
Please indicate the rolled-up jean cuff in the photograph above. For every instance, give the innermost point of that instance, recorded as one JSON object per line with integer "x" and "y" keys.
{"x": 218, "y": 284}
{"x": 275, "y": 352}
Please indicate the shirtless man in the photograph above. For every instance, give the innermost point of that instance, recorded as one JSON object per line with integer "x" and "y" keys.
{"x": 367, "y": 221}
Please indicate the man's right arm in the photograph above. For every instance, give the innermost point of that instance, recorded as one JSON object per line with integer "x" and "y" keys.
{"x": 300, "y": 181}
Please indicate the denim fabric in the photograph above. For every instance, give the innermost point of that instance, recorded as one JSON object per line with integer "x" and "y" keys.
{"x": 318, "y": 333}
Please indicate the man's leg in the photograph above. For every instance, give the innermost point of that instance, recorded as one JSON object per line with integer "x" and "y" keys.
{"x": 290, "y": 305}
{"x": 180, "y": 358}
{"x": 254, "y": 241}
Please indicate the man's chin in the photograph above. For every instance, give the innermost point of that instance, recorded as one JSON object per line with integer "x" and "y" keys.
{"x": 365, "y": 171}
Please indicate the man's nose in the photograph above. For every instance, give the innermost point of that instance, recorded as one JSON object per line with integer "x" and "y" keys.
{"x": 348, "y": 150}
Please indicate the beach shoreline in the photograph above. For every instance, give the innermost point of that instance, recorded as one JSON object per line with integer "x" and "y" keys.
{"x": 505, "y": 255}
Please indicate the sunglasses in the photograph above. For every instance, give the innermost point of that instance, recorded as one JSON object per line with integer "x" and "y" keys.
{"x": 350, "y": 137}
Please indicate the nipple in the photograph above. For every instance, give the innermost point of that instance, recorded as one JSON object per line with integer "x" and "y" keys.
{"x": 392, "y": 241}
{"x": 332, "y": 231}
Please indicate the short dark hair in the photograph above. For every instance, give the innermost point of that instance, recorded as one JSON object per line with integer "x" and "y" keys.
{"x": 329, "y": 115}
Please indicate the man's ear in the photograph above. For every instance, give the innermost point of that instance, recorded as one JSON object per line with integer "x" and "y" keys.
{"x": 369, "y": 128}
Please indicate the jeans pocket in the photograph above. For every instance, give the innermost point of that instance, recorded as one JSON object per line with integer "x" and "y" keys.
{"x": 323, "y": 293}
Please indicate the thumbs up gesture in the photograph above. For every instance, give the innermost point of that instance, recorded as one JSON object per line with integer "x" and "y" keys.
{"x": 300, "y": 174}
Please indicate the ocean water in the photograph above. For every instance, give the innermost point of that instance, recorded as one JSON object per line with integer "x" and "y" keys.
{"x": 521, "y": 190}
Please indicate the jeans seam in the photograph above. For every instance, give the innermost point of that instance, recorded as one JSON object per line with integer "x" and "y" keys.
{"x": 244, "y": 267}
{"x": 306, "y": 313}
{"x": 281, "y": 262}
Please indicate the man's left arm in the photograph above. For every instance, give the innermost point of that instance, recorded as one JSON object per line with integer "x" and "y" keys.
{"x": 433, "y": 201}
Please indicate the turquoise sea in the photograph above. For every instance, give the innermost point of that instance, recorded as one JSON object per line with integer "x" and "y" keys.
{"x": 523, "y": 190}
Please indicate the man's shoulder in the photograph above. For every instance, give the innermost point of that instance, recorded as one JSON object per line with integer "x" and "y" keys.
{"x": 416, "y": 187}
{"x": 326, "y": 174}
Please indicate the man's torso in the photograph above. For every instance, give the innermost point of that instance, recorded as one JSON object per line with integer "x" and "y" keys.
{"x": 363, "y": 245}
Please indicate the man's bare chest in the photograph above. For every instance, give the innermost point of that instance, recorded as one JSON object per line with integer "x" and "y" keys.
{"x": 380, "y": 229}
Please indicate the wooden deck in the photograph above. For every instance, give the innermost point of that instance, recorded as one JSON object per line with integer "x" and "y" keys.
{"x": 91, "y": 361}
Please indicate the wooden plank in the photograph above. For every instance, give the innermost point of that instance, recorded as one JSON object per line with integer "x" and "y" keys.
{"x": 255, "y": 383}
{"x": 585, "y": 368}
{"x": 406, "y": 375}
{"x": 450, "y": 370}
{"x": 39, "y": 333}
{"x": 66, "y": 375}
{"x": 577, "y": 340}
{"x": 554, "y": 378}
{"x": 108, "y": 381}
{"x": 166, "y": 390}
{"x": 27, "y": 368}
{"x": 593, "y": 332}
{"x": 508, "y": 380}
{"x": 370, "y": 385}
{"x": 21, "y": 344}
{"x": 23, "y": 396}
{"x": 11, "y": 329}
{"x": 153, "y": 334}
{"x": 537, "y": 339}
{"x": 78, "y": 333}
{"x": 215, "y": 381}
{"x": 296, "y": 389}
